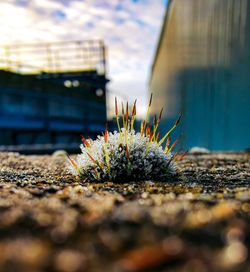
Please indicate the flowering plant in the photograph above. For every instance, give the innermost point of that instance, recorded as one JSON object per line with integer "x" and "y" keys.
{"x": 127, "y": 155}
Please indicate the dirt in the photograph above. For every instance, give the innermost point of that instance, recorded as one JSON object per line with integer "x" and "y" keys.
{"x": 52, "y": 221}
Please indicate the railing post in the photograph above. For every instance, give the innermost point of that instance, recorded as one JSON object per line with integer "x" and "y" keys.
{"x": 49, "y": 57}
{"x": 104, "y": 55}
{"x": 7, "y": 56}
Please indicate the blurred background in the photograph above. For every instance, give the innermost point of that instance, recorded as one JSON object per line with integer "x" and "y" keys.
{"x": 63, "y": 62}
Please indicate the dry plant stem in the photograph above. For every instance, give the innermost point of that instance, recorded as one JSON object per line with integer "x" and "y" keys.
{"x": 123, "y": 117}
{"x": 157, "y": 124}
{"x": 132, "y": 122}
{"x": 167, "y": 144}
{"x": 105, "y": 148}
{"x": 168, "y": 133}
{"x": 144, "y": 123}
{"x": 117, "y": 118}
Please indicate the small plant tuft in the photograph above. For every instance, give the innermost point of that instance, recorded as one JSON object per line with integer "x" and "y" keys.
{"x": 127, "y": 155}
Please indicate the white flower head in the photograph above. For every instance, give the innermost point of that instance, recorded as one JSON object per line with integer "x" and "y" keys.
{"x": 126, "y": 155}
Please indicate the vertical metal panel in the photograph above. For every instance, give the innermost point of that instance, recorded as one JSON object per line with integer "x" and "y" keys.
{"x": 202, "y": 68}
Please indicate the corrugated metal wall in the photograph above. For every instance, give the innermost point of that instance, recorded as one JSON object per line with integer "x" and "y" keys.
{"x": 202, "y": 68}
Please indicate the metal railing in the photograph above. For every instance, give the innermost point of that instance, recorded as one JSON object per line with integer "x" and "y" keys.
{"x": 54, "y": 57}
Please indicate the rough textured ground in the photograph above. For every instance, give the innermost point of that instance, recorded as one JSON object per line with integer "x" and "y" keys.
{"x": 50, "y": 221}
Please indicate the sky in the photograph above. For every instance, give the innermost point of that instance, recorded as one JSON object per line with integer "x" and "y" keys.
{"x": 130, "y": 30}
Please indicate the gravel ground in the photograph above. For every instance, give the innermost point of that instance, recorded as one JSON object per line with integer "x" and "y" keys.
{"x": 51, "y": 221}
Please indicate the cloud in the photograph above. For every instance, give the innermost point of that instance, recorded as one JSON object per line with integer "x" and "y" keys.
{"x": 129, "y": 28}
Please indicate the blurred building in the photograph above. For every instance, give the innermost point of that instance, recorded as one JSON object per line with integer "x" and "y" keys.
{"x": 202, "y": 68}
{"x": 52, "y": 93}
